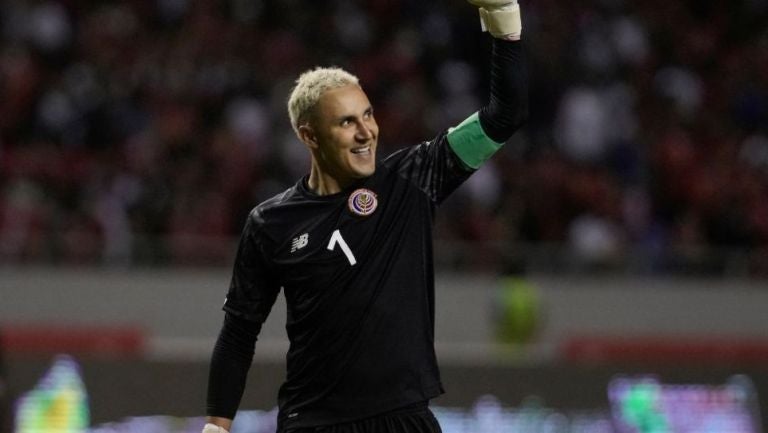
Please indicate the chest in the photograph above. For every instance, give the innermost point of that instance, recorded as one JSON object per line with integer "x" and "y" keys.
{"x": 350, "y": 239}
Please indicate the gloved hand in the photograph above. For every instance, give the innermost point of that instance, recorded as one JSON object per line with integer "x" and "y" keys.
{"x": 212, "y": 428}
{"x": 501, "y": 18}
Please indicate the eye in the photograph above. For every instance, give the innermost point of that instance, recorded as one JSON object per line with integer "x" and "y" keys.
{"x": 368, "y": 113}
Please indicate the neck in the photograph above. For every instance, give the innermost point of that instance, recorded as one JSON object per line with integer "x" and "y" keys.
{"x": 322, "y": 183}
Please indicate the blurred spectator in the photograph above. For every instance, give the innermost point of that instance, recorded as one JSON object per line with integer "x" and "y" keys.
{"x": 143, "y": 132}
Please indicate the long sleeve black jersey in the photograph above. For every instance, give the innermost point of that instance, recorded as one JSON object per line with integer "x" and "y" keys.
{"x": 356, "y": 270}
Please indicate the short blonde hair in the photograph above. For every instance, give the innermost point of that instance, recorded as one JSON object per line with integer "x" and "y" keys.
{"x": 310, "y": 86}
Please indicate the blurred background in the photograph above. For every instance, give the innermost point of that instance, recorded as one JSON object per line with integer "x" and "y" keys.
{"x": 617, "y": 245}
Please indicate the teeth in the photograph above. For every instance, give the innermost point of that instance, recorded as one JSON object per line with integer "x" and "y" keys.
{"x": 361, "y": 149}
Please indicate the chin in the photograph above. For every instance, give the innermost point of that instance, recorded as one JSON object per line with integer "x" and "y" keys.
{"x": 367, "y": 171}
{"x": 362, "y": 174}
{"x": 362, "y": 170}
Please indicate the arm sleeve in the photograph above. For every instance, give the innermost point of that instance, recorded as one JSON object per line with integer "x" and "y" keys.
{"x": 254, "y": 286}
{"x": 252, "y": 292}
{"x": 431, "y": 166}
{"x": 230, "y": 362}
{"x": 483, "y": 133}
{"x": 508, "y": 107}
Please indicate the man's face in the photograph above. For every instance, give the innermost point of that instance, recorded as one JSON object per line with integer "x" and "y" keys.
{"x": 344, "y": 134}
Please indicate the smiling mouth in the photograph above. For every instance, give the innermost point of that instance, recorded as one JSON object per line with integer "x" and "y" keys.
{"x": 361, "y": 150}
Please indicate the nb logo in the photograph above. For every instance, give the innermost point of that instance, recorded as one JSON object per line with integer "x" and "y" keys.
{"x": 299, "y": 242}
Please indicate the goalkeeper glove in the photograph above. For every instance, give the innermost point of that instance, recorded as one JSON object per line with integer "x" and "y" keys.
{"x": 212, "y": 428}
{"x": 501, "y": 18}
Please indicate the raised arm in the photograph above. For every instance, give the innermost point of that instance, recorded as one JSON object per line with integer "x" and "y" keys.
{"x": 481, "y": 134}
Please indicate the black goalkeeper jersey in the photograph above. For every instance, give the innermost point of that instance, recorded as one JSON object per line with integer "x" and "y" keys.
{"x": 357, "y": 271}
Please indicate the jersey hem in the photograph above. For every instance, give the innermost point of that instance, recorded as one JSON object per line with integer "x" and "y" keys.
{"x": 324, "y": 418}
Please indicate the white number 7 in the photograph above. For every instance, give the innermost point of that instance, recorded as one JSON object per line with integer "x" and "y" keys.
{"x": 337, "y": 239}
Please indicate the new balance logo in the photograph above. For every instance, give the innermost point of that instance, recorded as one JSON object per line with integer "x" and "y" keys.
{"x": 299, "y": 242}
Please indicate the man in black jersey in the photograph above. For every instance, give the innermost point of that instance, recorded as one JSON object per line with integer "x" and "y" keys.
{"x": 351, "y": 246}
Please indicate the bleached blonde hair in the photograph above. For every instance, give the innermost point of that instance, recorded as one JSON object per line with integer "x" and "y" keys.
{"x": 310, "y": 86}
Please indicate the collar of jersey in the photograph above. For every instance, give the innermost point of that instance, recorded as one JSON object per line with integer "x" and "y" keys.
{"x": 303, "y": 188}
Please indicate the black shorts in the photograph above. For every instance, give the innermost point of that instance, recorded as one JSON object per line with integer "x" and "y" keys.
{"x": 411, "y": 419}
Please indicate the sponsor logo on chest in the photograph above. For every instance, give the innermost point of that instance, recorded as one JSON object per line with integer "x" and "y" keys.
{"x": 299, "y": 242}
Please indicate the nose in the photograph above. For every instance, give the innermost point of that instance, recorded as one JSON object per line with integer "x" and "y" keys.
{"x": 364, "y": 131}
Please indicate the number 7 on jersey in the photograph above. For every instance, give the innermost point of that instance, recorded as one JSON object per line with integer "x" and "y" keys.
{"x": 337, "y": 239}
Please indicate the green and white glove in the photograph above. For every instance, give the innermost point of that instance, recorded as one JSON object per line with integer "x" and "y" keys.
{"x": 500, "y": 18}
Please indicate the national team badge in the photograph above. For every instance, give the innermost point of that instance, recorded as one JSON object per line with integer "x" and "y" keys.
{"x": 362, "y": 202}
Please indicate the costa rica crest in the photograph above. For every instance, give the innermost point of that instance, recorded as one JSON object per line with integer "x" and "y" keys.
{"x": 362, "y": 202}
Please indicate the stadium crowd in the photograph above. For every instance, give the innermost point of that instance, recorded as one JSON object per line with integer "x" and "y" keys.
{"x": 144, "y": 131}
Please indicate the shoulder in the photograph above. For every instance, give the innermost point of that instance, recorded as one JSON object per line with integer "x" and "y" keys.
{"x": 420, "y": 150}
{"x": 426, "y": 155}
{"x": 265, "y": 211}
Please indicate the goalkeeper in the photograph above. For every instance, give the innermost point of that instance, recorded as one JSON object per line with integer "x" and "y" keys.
{"x": 350, "y": 245}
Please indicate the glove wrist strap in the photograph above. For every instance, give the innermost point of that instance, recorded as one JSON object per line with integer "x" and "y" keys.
{"x": 504, "y": 23}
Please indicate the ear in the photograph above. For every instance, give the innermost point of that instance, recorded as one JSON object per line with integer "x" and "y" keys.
{"x": 308, "y": 136}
